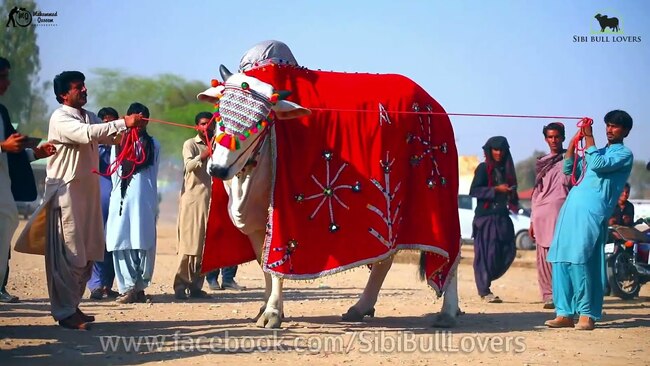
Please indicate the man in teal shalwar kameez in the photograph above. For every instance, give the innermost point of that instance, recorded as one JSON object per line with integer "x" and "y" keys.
{"x": 577, "y": 248}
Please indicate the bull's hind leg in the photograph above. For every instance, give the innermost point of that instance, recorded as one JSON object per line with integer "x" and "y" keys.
{"x": 270, "y": 315}
{"x": 366, "y": 304}
{"x": 450, "y": 310}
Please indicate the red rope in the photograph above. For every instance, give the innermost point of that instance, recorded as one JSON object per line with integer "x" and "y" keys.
{"x": 131, "y": 147}
{"x": 579, "y": 151}
{"x": 131, "y": 150}
{"x": 445, "y": 113}
{"x": 202, "y": 130}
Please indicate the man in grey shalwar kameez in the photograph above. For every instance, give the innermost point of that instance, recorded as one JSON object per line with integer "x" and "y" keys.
{"x": 71, "y": 206}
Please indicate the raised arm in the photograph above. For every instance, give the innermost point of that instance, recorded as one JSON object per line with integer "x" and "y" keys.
{"x": 66, "y": 129}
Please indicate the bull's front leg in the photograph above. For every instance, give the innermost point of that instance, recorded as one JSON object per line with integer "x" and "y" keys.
{"x": 270, "y": 315}
{"x": 366, "y": 304}
{"x": 450, "y": 309}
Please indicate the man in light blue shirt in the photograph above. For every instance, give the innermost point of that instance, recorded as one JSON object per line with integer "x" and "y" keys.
{"x": 577, "y": 248}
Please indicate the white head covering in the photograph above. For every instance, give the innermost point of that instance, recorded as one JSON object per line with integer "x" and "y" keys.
{"x": 267, "y": 52}
{"x": 263, "y": 53}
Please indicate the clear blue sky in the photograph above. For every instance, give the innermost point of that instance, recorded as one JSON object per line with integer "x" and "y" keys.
{"x": 501, "y": 56}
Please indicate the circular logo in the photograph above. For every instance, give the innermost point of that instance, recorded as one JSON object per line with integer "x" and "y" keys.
{"x": 23, "y": 17}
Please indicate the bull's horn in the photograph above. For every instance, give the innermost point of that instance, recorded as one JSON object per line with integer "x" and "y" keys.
{"x": 283, "y": 94}
{"x": 225, "y": 74}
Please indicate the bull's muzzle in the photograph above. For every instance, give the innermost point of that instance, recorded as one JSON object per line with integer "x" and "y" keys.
{"x": 218, "y": 172}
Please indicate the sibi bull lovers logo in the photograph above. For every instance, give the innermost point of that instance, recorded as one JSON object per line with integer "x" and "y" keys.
{"x": 608, "y": 31}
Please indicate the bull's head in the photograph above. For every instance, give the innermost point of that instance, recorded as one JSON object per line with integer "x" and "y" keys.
{"x": 244, "y": 108}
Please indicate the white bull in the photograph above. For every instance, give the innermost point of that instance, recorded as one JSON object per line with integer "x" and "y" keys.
{"x": 249, "y": 189}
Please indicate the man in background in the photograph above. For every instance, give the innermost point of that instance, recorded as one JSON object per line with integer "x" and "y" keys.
{"x": 549, "y": 193}
{"x": 624, "y": 210}
{"x": 193, "y": 211}
{"x": 103, "y": 275}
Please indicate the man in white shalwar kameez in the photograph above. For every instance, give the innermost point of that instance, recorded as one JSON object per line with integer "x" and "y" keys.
{"x": 72, "y": 209}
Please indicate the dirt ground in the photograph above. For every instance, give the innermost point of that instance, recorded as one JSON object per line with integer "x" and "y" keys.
{"x": 220, "y": 330}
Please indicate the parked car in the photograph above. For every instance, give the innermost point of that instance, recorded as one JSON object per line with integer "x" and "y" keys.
{"x": 521, "y": 222}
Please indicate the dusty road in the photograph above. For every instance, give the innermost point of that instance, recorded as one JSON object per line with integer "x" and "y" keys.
{"x": 219, "y": 330}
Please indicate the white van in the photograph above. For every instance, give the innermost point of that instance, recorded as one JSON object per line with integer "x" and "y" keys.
{"x": 521, "y": 222}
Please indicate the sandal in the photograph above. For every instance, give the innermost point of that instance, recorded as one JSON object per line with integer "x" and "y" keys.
{"x": 491, "y": 298}
{"x": 559, "y": 322}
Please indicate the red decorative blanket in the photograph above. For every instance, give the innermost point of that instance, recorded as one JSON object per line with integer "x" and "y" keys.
{"x": 367, "y": 174}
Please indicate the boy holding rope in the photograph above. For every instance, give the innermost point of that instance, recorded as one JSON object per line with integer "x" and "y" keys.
{"x": 577, "y": 248}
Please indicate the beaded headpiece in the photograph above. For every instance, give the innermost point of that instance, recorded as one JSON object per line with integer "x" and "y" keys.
{"x": 244, "y": 108}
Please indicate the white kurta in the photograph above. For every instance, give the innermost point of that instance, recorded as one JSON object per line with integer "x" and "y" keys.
{"x": 135, "y": 227}
{"x": 71, "y": 183}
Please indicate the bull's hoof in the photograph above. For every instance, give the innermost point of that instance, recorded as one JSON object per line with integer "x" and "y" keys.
{"x": 354, "y": 315}
{"x": 269, "y": 321}
{"x": 444, "y": 320}
{"x": 259, "y": 314}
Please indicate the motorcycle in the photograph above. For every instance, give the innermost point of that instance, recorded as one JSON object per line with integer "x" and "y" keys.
{"x": 627, "y": 256}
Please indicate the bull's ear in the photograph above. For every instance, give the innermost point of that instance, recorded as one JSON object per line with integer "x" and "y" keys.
{"x": 211, "y": 95}
{"x": 225, "y": 73}
{"x": 288, "y": 110}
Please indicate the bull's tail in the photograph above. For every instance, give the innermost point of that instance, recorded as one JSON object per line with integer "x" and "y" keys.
{"x": 422, "y": 266}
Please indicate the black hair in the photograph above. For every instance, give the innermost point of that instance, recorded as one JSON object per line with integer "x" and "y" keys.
{"x": 63, "y": 80}
{"x": 626, "y": 186}
{"x": 136, "y": 107}
{"x": 555, "y": 126}
{"x": 202, "y": 115}
{"x": 107, "y": 111}
{"x": 619, "y": 118}
{"x": 4, "y": 63}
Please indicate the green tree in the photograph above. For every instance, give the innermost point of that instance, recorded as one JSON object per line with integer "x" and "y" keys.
{"x": 639, "y": 180}
{"x": 168, "y": 97}
{"x": 18, "y": 45}
{"x": 526, "y": 171}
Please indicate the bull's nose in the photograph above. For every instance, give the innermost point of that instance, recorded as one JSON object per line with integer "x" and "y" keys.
{"x": 218, "y": 172}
